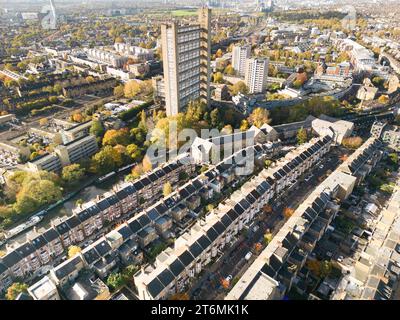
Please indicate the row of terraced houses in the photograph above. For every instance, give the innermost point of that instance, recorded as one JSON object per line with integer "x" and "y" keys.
{"x": 193, "y": 251}
{"x": 88, "y": 218}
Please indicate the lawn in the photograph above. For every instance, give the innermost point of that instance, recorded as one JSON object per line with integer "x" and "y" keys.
{"x": 183, "y": 13}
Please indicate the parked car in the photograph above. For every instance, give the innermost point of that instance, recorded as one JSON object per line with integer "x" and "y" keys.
{"x": 248, "y": 256}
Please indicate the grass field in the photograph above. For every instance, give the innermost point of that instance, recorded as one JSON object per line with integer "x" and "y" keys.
{"x": 183, "y": 13}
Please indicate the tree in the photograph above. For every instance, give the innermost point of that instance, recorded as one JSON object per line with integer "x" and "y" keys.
{"x": 138, "y": 135}
{"x": 383, "y": 99}
{"x": 219, "y": 53}
{"x": 387, "y": 188}
{"x": 288, "y": 212}
{"x": 244, "y": 126}
{"x": 210, "y": 207}
{"x": 77, "y": 117}
{"x": 227, "y": 129}
{"x": 137, "y": 171}
{"x": 352, "y": 142}
{"x": 97, "y": 128}
{"x": 113, "y": 137}
{"x": 119, "y": 91}
{"x": 73, "y": 251}
{"x": 378, "y": 81}
{"x": 115, "y": 280}
{"x": 167, "y": 189}
{"x": 15, "y": 289}
{"x": 132, "y": 89}
{"x": 34, "y": 193}
{"x": 6, "y": 212}
{"x": 147, "y": 165}
{"x": 73, "y": 173}
{"x": 267, "y": 163}
{"x": 90, "y": 79}
{"x": 267, "y": 209}
{"x": 239, "y": 86}
{"x": 314, "y": 266}
{"x": 229, "y": 70}
{"x": 394, "y": 158}
{"x": 268, "y": 238}
{"x": 57, "y": 88}
{"x": 218, "y": 77}
{"x": 133, "y": 151}
{"x": 259, "y": 117}
{"x": 297, "y": 84}
{"x": 326, "y": 268}
{"x": 106, "y": 160}
{"x": 302, "y": 136}
{"x": 43, "y": 122}
{"x": 215, "y": 118}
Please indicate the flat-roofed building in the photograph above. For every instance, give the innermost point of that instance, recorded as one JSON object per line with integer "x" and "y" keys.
{"x": 44, "y": 289}
{"x": 72, "y": 152}
{"x": 186, "y": 57}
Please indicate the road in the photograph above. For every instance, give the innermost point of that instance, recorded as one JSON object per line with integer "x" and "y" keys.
{"x": 233, "y": 262}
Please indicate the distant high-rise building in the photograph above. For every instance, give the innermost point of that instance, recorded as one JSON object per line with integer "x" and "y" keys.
{"x": 186, "y": 60}
{"x": 239, "y": 56}
{"x": 256, "y": 74}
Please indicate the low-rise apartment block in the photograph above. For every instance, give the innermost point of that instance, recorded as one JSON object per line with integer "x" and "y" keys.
{"x": 388, "y": 134}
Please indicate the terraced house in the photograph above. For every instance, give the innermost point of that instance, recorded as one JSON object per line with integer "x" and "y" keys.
{"x": 175, "y": 267}
{"x": 281, "y": 263}
{"x": 42, "y": 248}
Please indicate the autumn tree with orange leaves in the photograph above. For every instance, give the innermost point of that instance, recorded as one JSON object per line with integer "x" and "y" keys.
{"x": 288, "y": 212}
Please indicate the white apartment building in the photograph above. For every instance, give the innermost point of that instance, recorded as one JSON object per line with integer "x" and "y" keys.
{"x": 106, "y": 57}
{"x": 239, "y": 56}
{"x": 256, "y": 75}
{"x": 135, "y": 52}
{"x": 186, "y": 56}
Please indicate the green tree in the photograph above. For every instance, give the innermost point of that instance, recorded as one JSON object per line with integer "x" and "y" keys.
{"x": 133, "y": 151}
{"x": 97, "y": 128}
{"x": 106, "y": 160}
{"x": 229, "y": 70}
{"x": 267, "y": 163}
{"x": 239, "y": 86}
{"x": 302, "y": 136}
{"x": 15, "y": 289}
{"x": 387, "y": 188}
{"x": 138, "y": 135}
{"x": 394, "y": 158}
{"x": 378, "y": 81}
{"x": 218, "y": 77}
{"x": 326, "y": 268}
{"x": 73, "y": 173}
{"x": 268, "y": 238}
{"x": 119, "y": 91}
{"x": 115, "y": 280}
{"x": 215, "y": 118}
